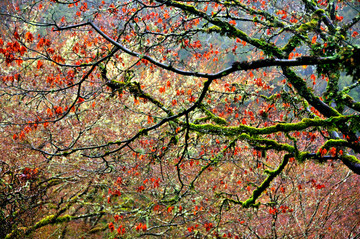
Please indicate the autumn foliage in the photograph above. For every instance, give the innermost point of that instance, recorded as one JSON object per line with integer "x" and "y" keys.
{"x": 200, "y": 119}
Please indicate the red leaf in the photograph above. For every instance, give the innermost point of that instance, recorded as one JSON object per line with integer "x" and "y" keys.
{"x": 49, "y": 112}
{"x": 22, "y": 50}
{"x": 170, "y": 209}
{"x": 80, "y": 100}
{"x": 232, "y": 22}
{"x": 313, "y": 40}
{"x": 111, "y": 226}
{"x": 29, "y": 37}
{"x": 39, "y": 65}
{"x": 16, "y": 35}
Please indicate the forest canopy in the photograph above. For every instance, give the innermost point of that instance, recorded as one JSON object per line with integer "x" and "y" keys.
{"x": 200, "y": 119}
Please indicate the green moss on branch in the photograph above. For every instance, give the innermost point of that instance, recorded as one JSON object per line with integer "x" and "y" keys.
{"x": 265, "y": 184}
{"x": 218, "y": 120}
{"x": 280, "y": 127}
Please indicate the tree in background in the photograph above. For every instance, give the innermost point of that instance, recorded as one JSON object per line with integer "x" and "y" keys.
{"x": 180, "y": 118}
